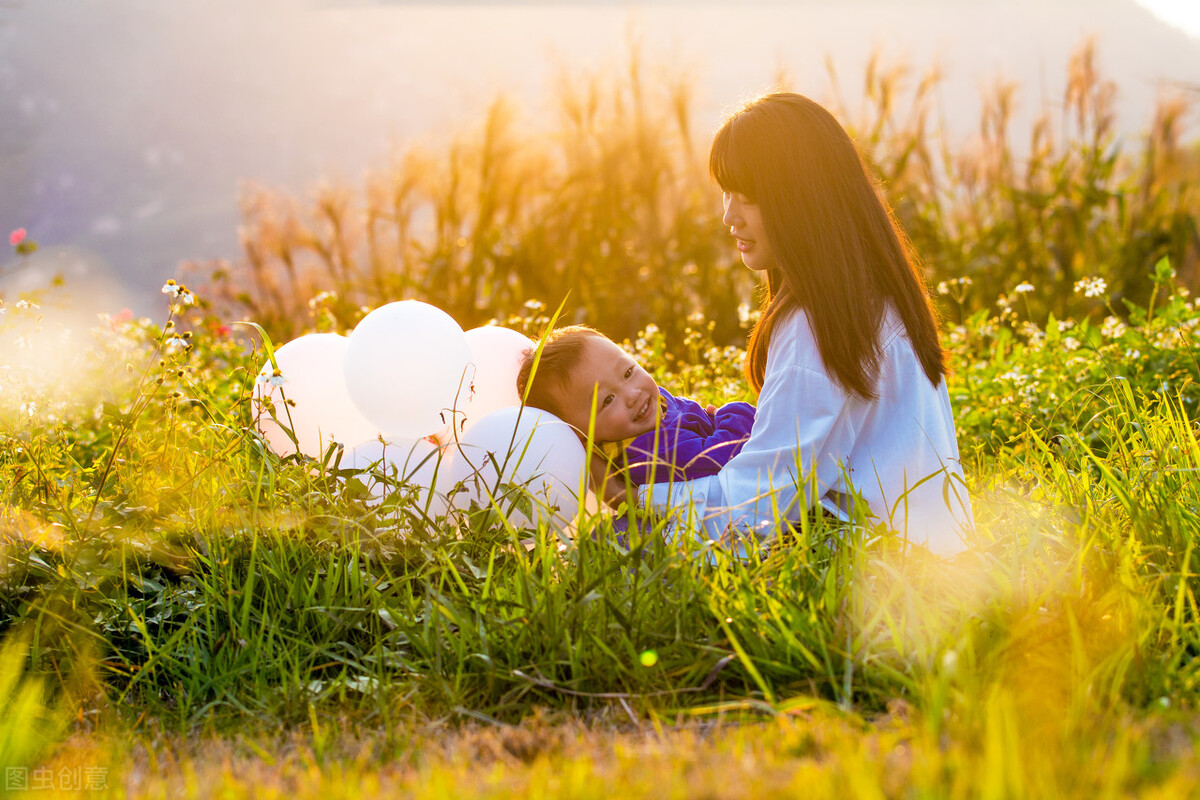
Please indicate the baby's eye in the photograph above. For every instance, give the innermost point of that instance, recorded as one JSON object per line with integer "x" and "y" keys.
{"x": 628, "y": 372}
{"x": 607, "y": 400}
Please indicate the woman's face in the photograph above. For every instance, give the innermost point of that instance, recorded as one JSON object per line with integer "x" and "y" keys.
{"x": 745, "y": 222}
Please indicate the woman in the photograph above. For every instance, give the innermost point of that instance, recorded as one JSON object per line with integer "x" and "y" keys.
{"x": 853, "y": 413}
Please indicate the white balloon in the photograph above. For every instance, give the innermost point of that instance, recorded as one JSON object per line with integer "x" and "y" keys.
{"x": 414, "y": 463}
{"x": 405, "y": 368}
{"x": 311, "y": 374}
{"x": 496, "y": 354}
{"x": 527, "y": 447}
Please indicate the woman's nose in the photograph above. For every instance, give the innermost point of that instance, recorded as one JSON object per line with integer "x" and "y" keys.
{"x": 731, "y": 217}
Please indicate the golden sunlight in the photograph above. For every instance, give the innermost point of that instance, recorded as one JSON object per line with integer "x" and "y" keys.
{"x": 1182, "y": 14}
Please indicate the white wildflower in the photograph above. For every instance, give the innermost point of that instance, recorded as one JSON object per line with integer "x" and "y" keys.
{"x": 1091, "y": 287}
{"x": 1112, "y": 328}
{"x": 1070, "y": 343}
{"x": 1023, "y": 288}
{"x": 320, "y": 298}
{"x": 275, "y": 378}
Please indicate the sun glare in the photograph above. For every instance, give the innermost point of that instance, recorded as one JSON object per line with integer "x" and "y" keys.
{"x": 1182, "y": 14}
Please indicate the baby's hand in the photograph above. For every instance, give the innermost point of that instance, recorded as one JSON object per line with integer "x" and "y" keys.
{"x": 712, "y": 410}
{"x": 606, "y": 483}
{"x": 614, "y": 490}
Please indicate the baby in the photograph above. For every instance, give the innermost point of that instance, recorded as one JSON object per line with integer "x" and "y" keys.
{"x": 642, "y": 432}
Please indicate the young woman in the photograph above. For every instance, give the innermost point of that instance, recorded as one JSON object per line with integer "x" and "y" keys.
{"x": 853, "y": 414}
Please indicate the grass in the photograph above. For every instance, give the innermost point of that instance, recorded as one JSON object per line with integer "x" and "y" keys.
{"x": 231, "y": 623}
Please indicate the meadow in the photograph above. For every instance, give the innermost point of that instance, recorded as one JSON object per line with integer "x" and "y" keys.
{"x": 186, "y": 614}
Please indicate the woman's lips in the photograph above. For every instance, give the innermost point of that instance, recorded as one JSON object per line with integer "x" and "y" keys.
{"x": 744, "y": 244}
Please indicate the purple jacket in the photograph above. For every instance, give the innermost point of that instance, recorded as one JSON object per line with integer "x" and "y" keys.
{"x": 689, "y": 443}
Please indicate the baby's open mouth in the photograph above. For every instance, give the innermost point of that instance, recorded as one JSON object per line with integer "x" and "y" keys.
{"x": 643, "y": 411}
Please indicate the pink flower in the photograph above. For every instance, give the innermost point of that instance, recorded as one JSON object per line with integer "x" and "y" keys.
{"x": 122, "y": 317}
{"x": 16, "y": 237}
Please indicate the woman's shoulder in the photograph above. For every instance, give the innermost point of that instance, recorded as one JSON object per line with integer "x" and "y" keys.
{"x": 793, "y": 342}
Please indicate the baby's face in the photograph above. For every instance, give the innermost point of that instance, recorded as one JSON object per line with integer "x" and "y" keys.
{"x": 623, "y": 394}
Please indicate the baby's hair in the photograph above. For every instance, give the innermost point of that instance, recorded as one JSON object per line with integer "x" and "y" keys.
{"x": 560, "y": 354}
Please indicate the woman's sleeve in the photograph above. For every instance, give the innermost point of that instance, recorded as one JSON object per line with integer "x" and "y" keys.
{"x": 791, "y": 460}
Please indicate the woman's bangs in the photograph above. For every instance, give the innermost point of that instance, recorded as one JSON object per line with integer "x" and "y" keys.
{"x": 731, "y": 166}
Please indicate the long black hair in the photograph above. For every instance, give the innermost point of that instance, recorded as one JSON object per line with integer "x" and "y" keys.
{"x": 839, "y": 252}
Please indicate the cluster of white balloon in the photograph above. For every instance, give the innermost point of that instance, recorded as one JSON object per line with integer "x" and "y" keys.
{"x": 420, "y": 403}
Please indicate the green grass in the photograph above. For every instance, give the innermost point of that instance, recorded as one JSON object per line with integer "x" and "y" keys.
{"x": 174, "y": 579}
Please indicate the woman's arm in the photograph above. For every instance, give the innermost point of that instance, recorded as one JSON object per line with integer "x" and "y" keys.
{"x": 801, "y": 431}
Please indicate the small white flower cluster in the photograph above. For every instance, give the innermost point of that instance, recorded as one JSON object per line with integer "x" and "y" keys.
{"x": 1023, "y": 288}
{"x": 1091, "y": 287}
{"x": 178, "y": 293}
{"x": 644, "y": 337}
{"x": 948, "y": 286}
{"x": 274, "y": 379}
{"x": 319, "y": 299}
{"x": 1016, "y": 376}
{"x": 1034, "y": 335}
{"x": 1112, "y": 328}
